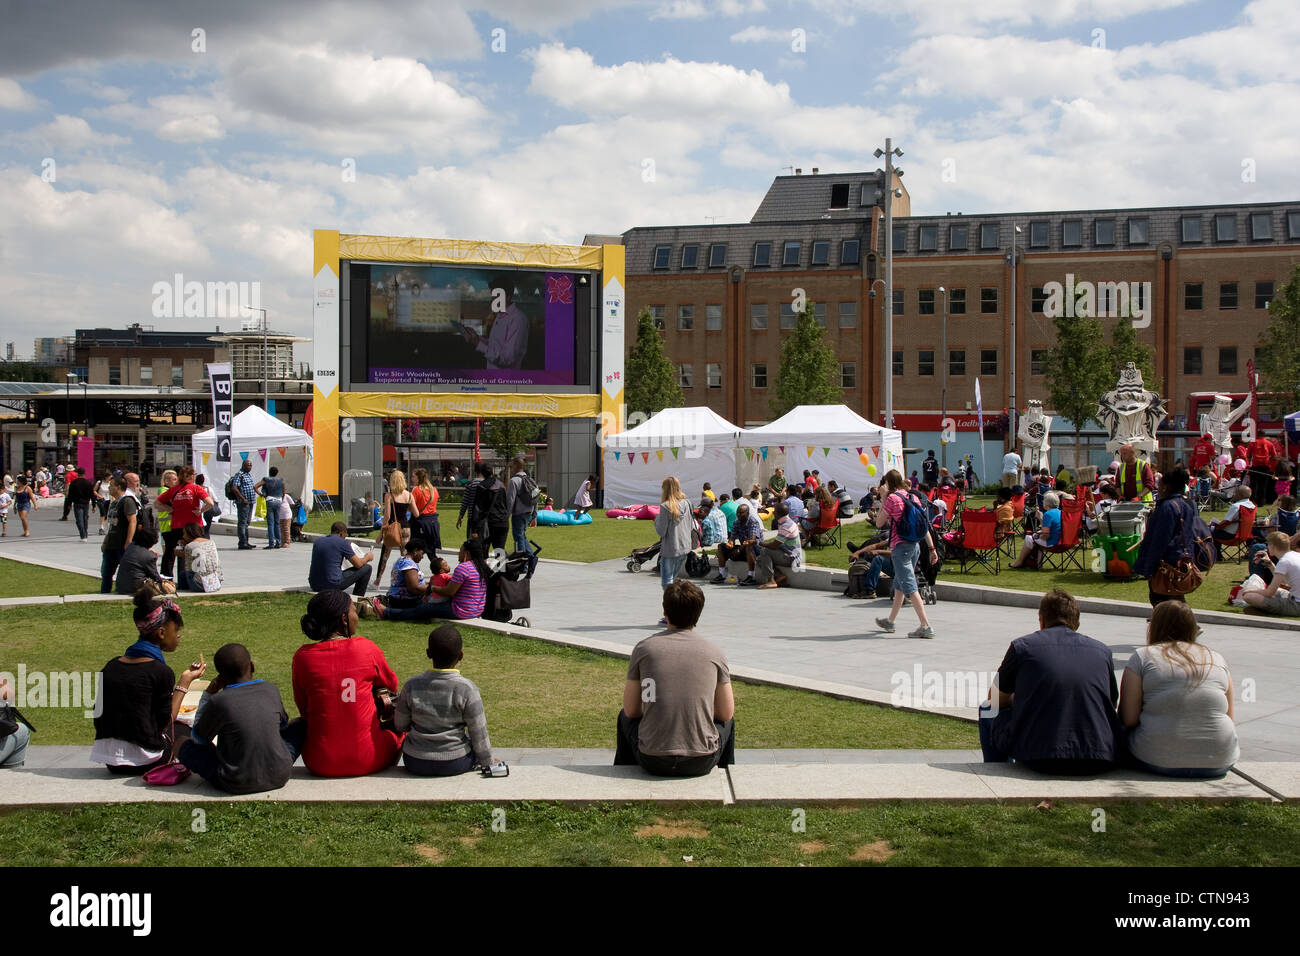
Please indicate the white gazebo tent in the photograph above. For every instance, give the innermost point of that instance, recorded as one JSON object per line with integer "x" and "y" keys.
{"x": 829, "y": 438}
{"x": 265, "y": 441}
{"x": 694, "y": 444}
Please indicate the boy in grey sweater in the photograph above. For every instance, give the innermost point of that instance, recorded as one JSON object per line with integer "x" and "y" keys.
{"x": 441, "y": 713}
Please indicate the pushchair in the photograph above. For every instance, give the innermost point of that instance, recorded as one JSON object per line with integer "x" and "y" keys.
{"x": 509, "y": 587}
{"x": 643, "y": 556}
{"x": 929, "y": 571}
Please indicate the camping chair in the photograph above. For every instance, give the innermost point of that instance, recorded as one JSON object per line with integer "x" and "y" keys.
{"x": 1239, "y": 546}
{"x": 950, "y": 498}
{"x": 321, "y": 501}
{"x": 1018, "y": 511}
{"x": 1068, "y": 551}
{"x": 979, "y": 539}
{"x": 828, "y": 526}
{"x": 1199, "y": 491}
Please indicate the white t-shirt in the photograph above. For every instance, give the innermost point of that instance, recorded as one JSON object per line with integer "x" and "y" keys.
{"x": 1183, "y": 724}
{"x": 1010, "y": 463}
{"x": 1288, "y": 569}
{"x": 5, "y": 502}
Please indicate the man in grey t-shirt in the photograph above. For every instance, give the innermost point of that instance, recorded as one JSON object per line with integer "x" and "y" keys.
{"x": 678, "y": 710}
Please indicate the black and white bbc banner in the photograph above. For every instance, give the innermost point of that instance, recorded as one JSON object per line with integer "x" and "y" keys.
{"x": 223, "y": 405}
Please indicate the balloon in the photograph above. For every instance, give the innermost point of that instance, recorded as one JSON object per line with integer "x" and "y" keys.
{"x": 1239, "y": 464}
{"x": 1114, "y": 466}
{"x": 1224, "y": 459}
{"x": 865, "y": 459}
{"x": 871, "y": 470}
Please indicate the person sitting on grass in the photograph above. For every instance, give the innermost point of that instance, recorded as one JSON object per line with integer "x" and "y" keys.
{"x": 335, "y": 684}
{"x": 678, "y": 716}
{"x": 781, "y": 552}
{"x": 139, "y": 695}
{"x": 199, "y": 565}
{"x": 408, "y": 585}
{"x": 1049, "y": 536}
{"x": 746, "y": 535}
{"x": 245, "y": 716}
{"x": 1052, "y": 704}
{"x": 464, "y": 596}
{"x": 1282, "y": 596}
{"x": 441, "y": 713}
{"x": 329, "y": 553}
{"x": 140, "y": 564}
{"x": 794, "y": 503}
{"x": 1176, "y": 700}
{"x": 1285, "y": 518}
{"x": 843, "y": 499}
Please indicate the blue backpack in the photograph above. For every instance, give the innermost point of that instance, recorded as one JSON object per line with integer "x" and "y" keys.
{"x": 912, "y": 524}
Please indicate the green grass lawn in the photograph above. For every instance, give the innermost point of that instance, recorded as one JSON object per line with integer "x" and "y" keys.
{"x": 30, "y": 580}
{"x": 535, "y": 694}
{"x": 547, "y": 834}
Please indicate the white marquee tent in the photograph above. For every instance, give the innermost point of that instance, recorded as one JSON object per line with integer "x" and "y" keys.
{"x": 265, "y": 441}
{"x": 829, "y": 438}
{"x": 694, "y": 444}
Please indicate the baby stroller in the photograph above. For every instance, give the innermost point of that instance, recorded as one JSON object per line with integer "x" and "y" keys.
{"x": 642, "y": 556}
{"x": 509, "y": 588}
{"x": 929, "y": 571}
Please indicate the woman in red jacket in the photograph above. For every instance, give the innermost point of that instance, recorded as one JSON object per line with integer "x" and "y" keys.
{"x": 334, "y": 682}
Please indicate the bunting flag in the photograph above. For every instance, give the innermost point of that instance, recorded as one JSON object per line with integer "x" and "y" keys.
{"x": 660, "y": 453}
{"x": 764, "y": 451}
{"x": 749, "y": 454}
{"x": 645, "y": 456}
{"x": 859, "y": 451}
{"x": 782, "y": 447}
{"x": 262, "y": 452}
{"x": 243, "y": 455}
{"x": 875, "y": 451}
{"x": 826, "y": 452}
{"x": 845, "y": 450}
{"x": 809, "y": 449}
{"x": 206, "y": 456}
{"x": 281, "y": 449}
{"x": 617, "y": 454}
{"x": 674, "y": 451}
{"x": 631, "y": 458}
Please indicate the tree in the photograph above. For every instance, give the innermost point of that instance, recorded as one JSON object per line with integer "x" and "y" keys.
{"x": 510, "y": 436}
{"x": 1278, "y": 364}
{"x": 809, "y": 373}
{"x": 1125, "y": 347}
{"x": 25, "y": 372}
{"x": 1077, "y": 369}
{"x": 650, "y": 377}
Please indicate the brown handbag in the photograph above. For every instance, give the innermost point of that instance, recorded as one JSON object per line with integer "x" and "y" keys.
{"x": 1176, "y": 580}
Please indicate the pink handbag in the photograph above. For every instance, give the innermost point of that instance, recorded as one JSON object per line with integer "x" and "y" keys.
{"x": 168, "y": 775}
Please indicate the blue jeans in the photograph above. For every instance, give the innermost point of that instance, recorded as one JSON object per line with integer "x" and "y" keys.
{"x": 669, "y": 568}
{"x": 81, "y": 512}
{"x": 13, "y": 749}
{"x": 423, "y": 611}
{"x": 438, "y": 768}
{"x": 244, "y": 514}
{"x": 273, "y": 522}
{"x": 108, "y": 567}
{"x": 519, "y": 531}
{"x": 1186, "y": 773}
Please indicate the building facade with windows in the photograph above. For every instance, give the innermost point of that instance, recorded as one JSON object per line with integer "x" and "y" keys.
{"x": 723, "y": 294}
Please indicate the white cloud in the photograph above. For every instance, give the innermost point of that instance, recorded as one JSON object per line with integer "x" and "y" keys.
{"x": 69, "y": 133}
{"x": 965, "y": 16}
{"x": 699, "y": 9}
{"x": 757, "y": 34}
{"x": 14, "y": 97}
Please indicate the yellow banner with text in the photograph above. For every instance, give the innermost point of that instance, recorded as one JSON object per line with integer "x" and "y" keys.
{"x": 433, "y": 405}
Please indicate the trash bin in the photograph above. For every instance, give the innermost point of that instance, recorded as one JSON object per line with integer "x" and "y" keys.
{"x": 1117, "y": 549}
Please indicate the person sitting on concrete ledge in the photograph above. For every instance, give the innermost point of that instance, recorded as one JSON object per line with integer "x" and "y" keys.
{"x": 868, "y": 563}
{"x": 746, "y": 535}
{"x": 328, "y": 553}
{"x": 678, "y": 716}
{"x": 781, "y": 552}
{"x": 245, "y": 716}
{"x": 1052, "y": 705}
{"x": 441, "y": 712}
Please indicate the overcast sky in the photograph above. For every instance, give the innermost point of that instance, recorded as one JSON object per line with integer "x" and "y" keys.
{"x": 132, "y": 149}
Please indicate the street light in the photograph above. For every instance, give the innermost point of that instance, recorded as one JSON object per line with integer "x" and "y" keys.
{"x": 943, "y": 393}
{"x": 1011, "y": 417}
{"x": 887, "y": 192}
{"x": 889, "y": 364}
{"x": 266, "y": 391}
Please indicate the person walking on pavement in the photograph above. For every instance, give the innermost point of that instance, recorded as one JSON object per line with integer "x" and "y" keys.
{"x": 81, "y": 493}
{"x": 245, "y": 496}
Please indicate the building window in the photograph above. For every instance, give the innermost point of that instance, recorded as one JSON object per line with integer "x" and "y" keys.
{"x": 1192, "y": 360}
{"x": 1228, "y": 360}
{"x": 850, "y": 252}
{"x": 956, "y": 361}
{"x": 819, "y": 313}
{"x": 840, "y": 196}
{"x": 925, "y": 362}
{"x": 690, "y": 256}
{"x": 957, "y": 238}
{"x": 988, "y": 361}
{"x": 1139, "y": 232}
{"x": 146, "y": 373}
{"x": 717, "y": 255}
{"x": 1191, "y": 228}
{"x": 1039, "y": 234}
{"x": 790, "y": 257}
{"x": 821, "y": 253}
{"x": 988, "y": 235}
{"x": 788, "y": 316}
{"x": 900, "y": 238}
{"x": 685, "y": 318}
{"x": 1036, "y": 359}
{"x": 1072, "y": 233}
{"x": 662, "y": 254}
{"x": 1227, "y": 295}
{"x": 658, "y": 315}
{"x": 1263, "y": 294}
{"x": 758, "y": 316}
{"x": 115, "y": 374}
{"x": 686, "y": 375}
{"x": 1225, "y": 228}
{"x": 988, "y": 301}
{"x": 762, "y": 254}
{"x": 1103, "y": 232}
{"x": 898, "y": 300}
{"x": 178, "y": 376}
{"x": 956, "y": 301}
{"x": 898, "y": 363}
{"x": 713, "y": 318}
{"x": 925, "y": 302}
{"x": 848, "y": 375}
{"x": 928, "y": 239}
{"x": 758, "y": 375}
{"x": 1261, "y": 225}
{"x": 848, "y": 315}
{"x": 1193, "y": 296}
{"x": 713, "y": 374}
{"x": 1037, "y": 298}
{"x": 1293, "y": 225}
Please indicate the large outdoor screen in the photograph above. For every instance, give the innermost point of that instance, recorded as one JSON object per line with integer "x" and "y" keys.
{"x": 451, "y": 325}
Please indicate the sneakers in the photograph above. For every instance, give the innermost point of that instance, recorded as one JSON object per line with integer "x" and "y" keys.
{"x": 720, "y": 578}
{"x": 885, "y": 624}
{"x": 925, "y": 632}
{"x": 749, "y": 581}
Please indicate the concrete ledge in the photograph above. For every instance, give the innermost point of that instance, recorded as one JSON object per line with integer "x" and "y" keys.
{"x": 1009, "y": 781}
{"x": 1280, "y": 779}
{"x": 837, "y": 783}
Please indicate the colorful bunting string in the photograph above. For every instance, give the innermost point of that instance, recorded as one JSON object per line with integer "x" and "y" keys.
{"x": 660, "y": 453}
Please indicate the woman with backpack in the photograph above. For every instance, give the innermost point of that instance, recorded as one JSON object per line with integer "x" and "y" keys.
{"x": 1172, "y": 530}
{"x": 909, "y": 532}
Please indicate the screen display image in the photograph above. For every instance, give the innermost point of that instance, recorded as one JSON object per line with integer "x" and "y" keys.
{"x": 449, "y": 325}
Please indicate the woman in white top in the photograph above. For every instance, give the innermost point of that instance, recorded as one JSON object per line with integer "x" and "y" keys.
{"x": 1176, "y": 700}
{"x": 103, "y": 499}
{"x": 200, "y": 568}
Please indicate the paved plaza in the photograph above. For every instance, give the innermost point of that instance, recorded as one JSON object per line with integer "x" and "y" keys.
{"x": 804, "y": 638}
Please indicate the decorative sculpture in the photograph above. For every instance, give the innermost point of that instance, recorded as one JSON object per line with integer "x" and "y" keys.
{"x": 1034, "y": 433}
{"x": 1219, "y": 419}
{"x": 1131, "y": 413}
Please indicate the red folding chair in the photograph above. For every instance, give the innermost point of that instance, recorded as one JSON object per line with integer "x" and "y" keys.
{"x": 1068, "y": 551}
{"x": 950, "y": 497}
{"x": 979, "y": 539}
{"x": 1239, "y": 546}
{"x": 828, "y": 526}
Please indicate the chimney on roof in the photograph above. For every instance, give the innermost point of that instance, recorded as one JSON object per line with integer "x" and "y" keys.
{"x": 798, "y": 171}
{"x": 814, "y": 170}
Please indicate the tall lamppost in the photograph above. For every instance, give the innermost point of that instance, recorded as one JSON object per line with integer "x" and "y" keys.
{"x": 1011, "y": 417}
{"x": 943, "y": 393}
{"x": 887, "y": 192}
{"x": 266, "y": 391}
{"x": 889, "y": 359}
